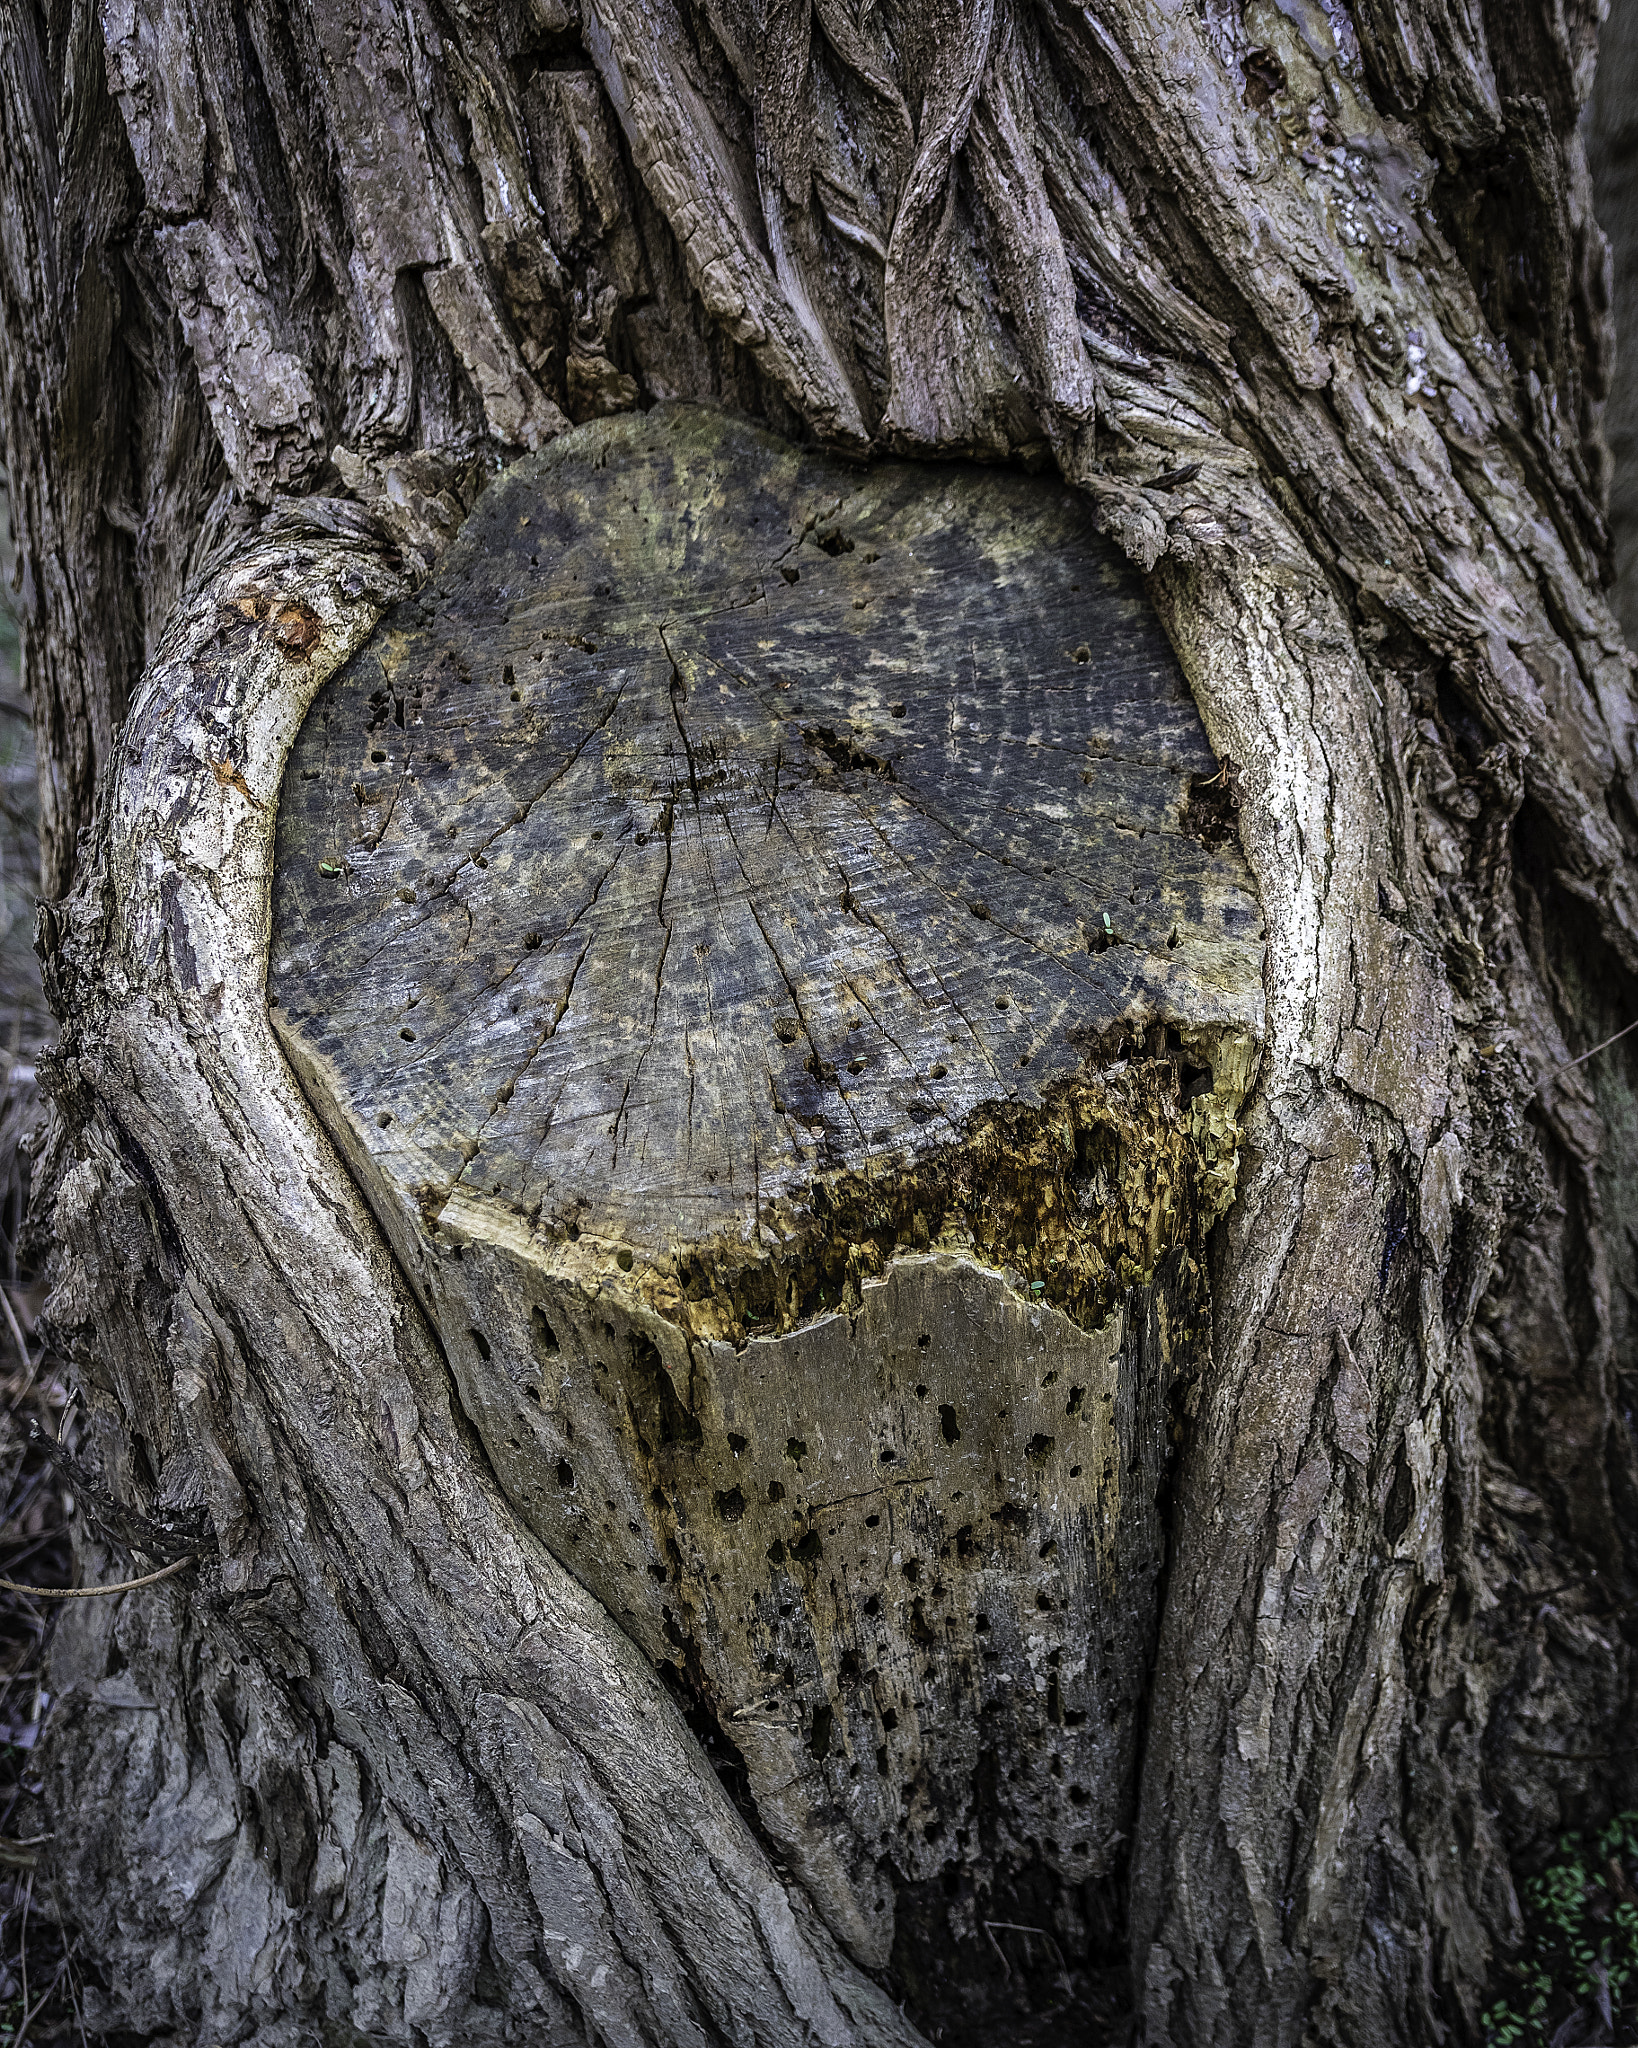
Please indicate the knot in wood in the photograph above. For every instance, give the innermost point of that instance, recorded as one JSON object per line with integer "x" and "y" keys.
{"x": 752, "y": 926}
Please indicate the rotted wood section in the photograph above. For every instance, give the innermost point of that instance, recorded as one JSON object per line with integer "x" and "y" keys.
{"x": 770, "y": 939}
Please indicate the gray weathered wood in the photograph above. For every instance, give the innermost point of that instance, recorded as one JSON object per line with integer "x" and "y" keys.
{"x": 719, "y": 818}
{"x": 763, "y": 933}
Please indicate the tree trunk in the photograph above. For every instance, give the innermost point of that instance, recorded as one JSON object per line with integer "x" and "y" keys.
{"x": 1215, "y": 1275}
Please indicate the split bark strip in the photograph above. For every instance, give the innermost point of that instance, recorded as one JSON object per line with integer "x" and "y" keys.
{"x": 98, "y": 1592}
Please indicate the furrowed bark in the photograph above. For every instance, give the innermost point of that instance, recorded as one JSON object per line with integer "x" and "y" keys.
{"x": 1310, "y": 304}
{"x": 1612, "y": 148}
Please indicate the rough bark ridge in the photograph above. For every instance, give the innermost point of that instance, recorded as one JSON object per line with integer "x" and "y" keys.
{"x": 1309, "y": 302}
{"x": 748, "y": 924}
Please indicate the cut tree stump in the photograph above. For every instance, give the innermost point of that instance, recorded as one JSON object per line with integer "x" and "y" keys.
{"x": 770, "y": 940}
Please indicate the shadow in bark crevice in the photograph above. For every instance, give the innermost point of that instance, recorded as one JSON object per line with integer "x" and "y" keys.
{"x": 1038, "y": 1963}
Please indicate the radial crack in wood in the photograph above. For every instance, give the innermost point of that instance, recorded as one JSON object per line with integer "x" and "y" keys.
{"x": 769, "y": 938}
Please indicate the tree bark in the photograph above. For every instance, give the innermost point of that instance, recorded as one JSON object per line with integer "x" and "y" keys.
{"x": 1309, "y": 307}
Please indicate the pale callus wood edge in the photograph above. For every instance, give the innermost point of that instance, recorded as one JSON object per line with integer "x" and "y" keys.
{"x": 604, "y": 1818}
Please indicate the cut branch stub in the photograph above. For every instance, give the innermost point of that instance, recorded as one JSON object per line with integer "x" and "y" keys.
{"x": 748, "y": 925}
